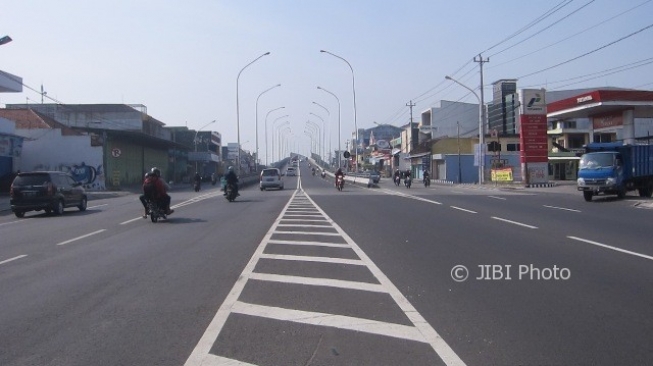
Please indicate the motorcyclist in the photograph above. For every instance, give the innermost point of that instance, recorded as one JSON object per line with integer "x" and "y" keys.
{"x": 198, "y": 181}
{"x": 397, "y": 176}
{"x": 231, "y": 179}
{"x": 339, "y": 173}
{"x": 313, "y": 170}
{"x": 407, "y": 177}
{"x": 157, "y": 193}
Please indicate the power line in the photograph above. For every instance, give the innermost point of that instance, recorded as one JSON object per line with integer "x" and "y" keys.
{"x": 587, "y": 53}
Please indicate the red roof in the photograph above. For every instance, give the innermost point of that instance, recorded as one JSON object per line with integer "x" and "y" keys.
{"x": 600, "y": 102}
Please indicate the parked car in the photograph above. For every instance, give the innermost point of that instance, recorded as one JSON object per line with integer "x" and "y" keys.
{"x": 270, "y": 178}
{"x": 49, "y": 191}
{"x": 291, "y": 171}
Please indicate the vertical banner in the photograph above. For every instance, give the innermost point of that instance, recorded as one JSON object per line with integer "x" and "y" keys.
{"x": 533, "y": 139}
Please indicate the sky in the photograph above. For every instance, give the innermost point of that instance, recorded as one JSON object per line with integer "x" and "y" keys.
{"x": 182, "y": 60}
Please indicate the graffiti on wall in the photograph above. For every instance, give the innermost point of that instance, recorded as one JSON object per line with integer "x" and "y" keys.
{"x": 89, "y": 176}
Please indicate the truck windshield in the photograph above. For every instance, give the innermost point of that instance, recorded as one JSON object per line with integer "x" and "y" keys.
{"x": 595, "y": 161}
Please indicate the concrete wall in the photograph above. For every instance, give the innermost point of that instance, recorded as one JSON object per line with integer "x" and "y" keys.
{"x": 47, "y": 149}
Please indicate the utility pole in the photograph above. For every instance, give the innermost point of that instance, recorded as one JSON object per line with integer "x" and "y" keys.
{"x": 481, "y": 132}
{"x": 410, "y": 143}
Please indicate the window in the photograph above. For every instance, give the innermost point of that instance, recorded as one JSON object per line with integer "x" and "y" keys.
{"x": 512, "y": 147}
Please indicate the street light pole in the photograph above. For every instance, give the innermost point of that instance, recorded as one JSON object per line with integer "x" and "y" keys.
{"x": 323, "y": 153}
{"x": 195, "y": 141}
{"x": 266, "y": 134}
{"x": 481, "y": 137}
{"x": 256, "y": 125}
{"x": 329, "y": 134}
{"x": 238, "y": 106}
{"x": 278, "y": 138}
{"x": 319, "y": 132}
{"x": 353, "y": 86}
{"x": 339, "y": 126}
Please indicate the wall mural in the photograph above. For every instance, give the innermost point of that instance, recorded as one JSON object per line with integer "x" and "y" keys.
{"x": 90, "y": 177}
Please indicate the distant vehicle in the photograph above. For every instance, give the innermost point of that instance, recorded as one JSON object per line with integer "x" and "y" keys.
{"x": 291, "y": 172}
{"x": 48, "y": 191}
{"x": 613, "y": 168}
{"x": 270, "y": 178}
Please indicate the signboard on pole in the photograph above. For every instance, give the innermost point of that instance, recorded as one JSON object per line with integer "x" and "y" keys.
{"x": 533, "y": 139}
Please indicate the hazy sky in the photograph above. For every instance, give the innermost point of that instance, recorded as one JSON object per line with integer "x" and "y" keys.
{"x": 181, "y": 59}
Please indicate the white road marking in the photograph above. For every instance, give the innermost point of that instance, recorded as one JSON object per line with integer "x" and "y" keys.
{"x": 329, "y": 320}
{"x": 317, "y": 233}
{"x": 82, "y": 237}
{"x": 463, "y": 209}
{"x": 562, "y": 208}
{"x": 132, "y": 220}
{"x": 13, "y": 222}
{"x": 92, "y": 207}
{"x": 303, "y": 225}
{"x": 305, "y": 258}
{"x": 309, "y": 243}
{"x": 515, "y": 222}
{"x": 498, "y": 198}
{"x": 611, "y": 247}
{"x": 420, "y": 331}
{"x": 312, "y": 281}
{"x": 213, "y": 360}
{"x": 13, "y": 259}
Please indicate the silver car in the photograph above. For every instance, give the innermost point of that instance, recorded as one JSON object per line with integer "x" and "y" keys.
{"x": 270, "y": 178}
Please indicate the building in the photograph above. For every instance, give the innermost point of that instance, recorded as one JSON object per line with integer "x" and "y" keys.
{"x": 132, "y": 142}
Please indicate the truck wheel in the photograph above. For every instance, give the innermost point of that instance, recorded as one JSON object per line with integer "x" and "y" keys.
{"x": 621, "y": 193}
{"x": 587, "y": 195}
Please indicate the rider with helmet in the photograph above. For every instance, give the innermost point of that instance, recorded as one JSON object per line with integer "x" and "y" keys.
{"x": 231, "y": 179}
{"x": 339, "y": 173}
{"x": 154, "y": 188}
{"x": 397, "y": 176}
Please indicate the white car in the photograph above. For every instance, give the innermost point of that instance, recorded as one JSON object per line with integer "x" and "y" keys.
{"x": 291, "y": 172}
{"x": 270, "y": 178}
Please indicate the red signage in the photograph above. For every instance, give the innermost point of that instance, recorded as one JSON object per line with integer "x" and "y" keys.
{"x": 533, "y": 139}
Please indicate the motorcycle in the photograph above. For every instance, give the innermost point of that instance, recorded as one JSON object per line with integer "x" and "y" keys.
{"x": 313, "y": 172}
{"x": 397, "y": 180}
{"x": 340, "y": 183}
{"x": 408, "y": 181}
{"x": 230, "y": 193}
{"x": 427, "y": 181}
{"x": 155, "y": 212}
{"x": 323, "y": 174}
{"x": 197, "y": 186}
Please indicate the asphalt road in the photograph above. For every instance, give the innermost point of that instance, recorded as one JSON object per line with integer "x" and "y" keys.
{"x": 312, "y": 276}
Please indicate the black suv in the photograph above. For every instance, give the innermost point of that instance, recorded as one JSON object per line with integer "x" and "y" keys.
{"x": 49, "y": 191}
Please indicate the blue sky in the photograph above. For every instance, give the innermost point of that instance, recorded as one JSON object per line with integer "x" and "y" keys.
{"x": 181, "y": 59}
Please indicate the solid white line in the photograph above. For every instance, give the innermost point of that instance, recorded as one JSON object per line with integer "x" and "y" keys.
{"x": 463, "y": 209}
{"x": 305, "y": 258}
{"x": 306, "y": 233}
{"x": 515, "y": 222}
{"x": 498, "y": 198}
{"x": 562, "y": 208}
{"x": 405, "y": 195}
{"x": 611, "y": 247}
{"x": 13, "y": 259}
{"x": 82, "y": 237}
{"x": 329, "y": 320}
{"x": 309, "y": 243}
{"x": 312, "y": 281}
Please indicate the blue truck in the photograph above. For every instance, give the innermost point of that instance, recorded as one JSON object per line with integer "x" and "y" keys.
{"x": 614, "y": 168}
